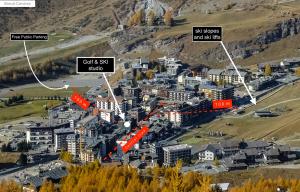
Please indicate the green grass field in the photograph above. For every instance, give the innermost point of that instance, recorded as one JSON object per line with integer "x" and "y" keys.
{"x": 43, "y": 58}
{"x": 41, "y": 91}
{"x": 284, "y": 128}
{"x": 10, "y": 47}
{"x": 26, "y": 109}
{"x": 237, "y": 25}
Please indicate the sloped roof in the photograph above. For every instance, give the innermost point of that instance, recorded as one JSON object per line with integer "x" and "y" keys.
{"x": 215, "y": 71}
{"x": 210, "y": 147}
{"x": 251, "y": 152}
{"x": 229, "y": 143}
{"x": 239, "y": 156}
{"x": 256, "y": 144}
{"x": 54, "y": 174}
{"x": 272, "y": 152}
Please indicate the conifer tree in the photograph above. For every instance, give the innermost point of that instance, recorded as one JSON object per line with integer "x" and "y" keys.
{"x": 268, "y": 70}
{"x": 150, "y": 18}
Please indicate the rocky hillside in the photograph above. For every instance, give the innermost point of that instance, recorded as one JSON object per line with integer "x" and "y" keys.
{"x": 88, "y": 16}
{"x": 251, "y": 27}
{"x": 78, "y": 16}
{"x": 247, "y": 33}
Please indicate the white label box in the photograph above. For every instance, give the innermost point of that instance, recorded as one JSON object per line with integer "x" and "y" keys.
{"x": 17, "y": 3}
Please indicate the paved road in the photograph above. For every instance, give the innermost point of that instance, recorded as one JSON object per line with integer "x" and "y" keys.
{"x": 75, "y": 42}
{"x": 259, "y": 101}
{"x": 73, "y": 80}
{"x": 11, "y": 173}
{"x": 252, "y": 112}
{"x": 284, "y": 166}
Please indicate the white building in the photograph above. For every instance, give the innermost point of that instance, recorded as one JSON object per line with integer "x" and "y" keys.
{"x": 142, "y": 65}
{"x": 149, "y": 105}
{"x": 166, "y": 60}
{"x": 176, "y": 117}
{"x": 183, "y": 113}
{"x": 223, "y": 186}
{"x": 107, "y": 115}
{"x": 180, "y": 95}
{"x": 174, "y": 153}
{"x": 73, "y": 144}
{"x": 108, "y": 103}
{"x": 172, "y": 65}
{"x": 229, "y": 75}
{"x": 42, "y": 135}
{"x": 193, "y": 81}
{"x": 72, "y": 123}
{"x": 210, "y": 152}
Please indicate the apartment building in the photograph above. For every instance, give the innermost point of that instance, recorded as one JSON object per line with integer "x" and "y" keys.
{"x": 129, "y": 91}
{"x": 174, "y": 153}
{"x": 180, "y": 95}
{"x": 73, "y": 144}
{"x": 218, "y": 93}
{"x": 172, "y": 65}
{"x": 194, "y": 81}
{"x": 108, "y": 103}
{"x": 107, "y": 115}
{"x": 94, "y": 148}
{"x": 141, "y": 65}
{"x": 87, "y": 156}
{"x": 229, "y": 76}
{"x": 41, "y": 134}
{"x": 183, "y": 113}
{"x": 60, "y": 138}
{"x": 210, "y": 152}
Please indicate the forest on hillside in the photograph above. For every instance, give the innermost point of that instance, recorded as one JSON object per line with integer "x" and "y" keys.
{"x": 96, "y": 177}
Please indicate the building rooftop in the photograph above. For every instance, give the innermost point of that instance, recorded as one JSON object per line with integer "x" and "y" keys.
{"x": 87, "y": 119}
{"x": 234, "y": 73}
{"x": 110, "y": 99}
{"x": 177, "y": 147}
{"x": 292, "y": 60}
{"x": 256, "y": 144}
{"x": 223, "y": 88}
{"x": 223, "y": 186}
{"x": 169, "y": 60}
{"x": 144, "y": 61}
{"x": 38, "y": 125}
{"x": 252, "y": 152}
{"x": 72, "y": 136}
{"x": 54, "y": 174}
{"x": 215, "y": 71}
{"x": 210, "y": 147}
{"x": 229, "y": 144}
{"x": 63, "y": 130}
{"x": 261, "y": 80}
{"x": 93, "y": 142}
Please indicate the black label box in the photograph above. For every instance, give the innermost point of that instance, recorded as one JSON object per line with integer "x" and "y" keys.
{"x": 95, "y": 64}
{"x": 29, "y": 37}
{"x": 207, "y": 34}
